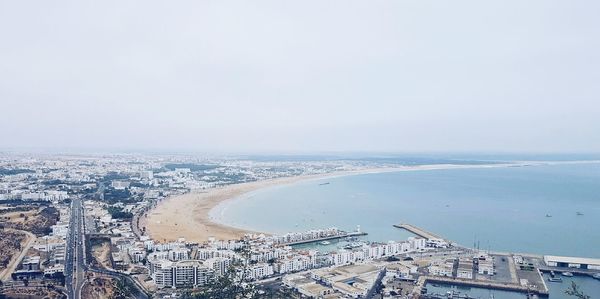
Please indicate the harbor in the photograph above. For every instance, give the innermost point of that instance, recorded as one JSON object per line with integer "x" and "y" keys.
{"x": 483, "y": 284}
{"x": 341, "y": 235}
{"x": 527, "y": 274}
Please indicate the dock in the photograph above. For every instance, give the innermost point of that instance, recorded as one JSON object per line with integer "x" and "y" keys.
{"x": 341, "y": 236}
{"x": 481, "y": 284}
{"x": 418, "y": 231}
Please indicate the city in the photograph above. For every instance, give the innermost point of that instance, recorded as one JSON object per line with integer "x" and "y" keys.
{"x": 312, "y": 149}
{"x": 71, "y": 228}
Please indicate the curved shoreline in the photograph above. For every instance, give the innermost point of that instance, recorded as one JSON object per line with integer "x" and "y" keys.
{"x": 191, "y": 215}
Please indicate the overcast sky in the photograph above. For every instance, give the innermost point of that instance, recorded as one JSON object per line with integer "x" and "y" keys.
{"x": 301, "y": 76}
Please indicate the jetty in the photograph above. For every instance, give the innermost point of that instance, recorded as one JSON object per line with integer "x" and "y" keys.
{"x": 423, "y": 280}
{"x": 333, "y": 237}
{"x": 418, "y": 231}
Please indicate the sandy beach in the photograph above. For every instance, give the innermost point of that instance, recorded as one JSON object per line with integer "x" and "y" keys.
{"x": 189, "y": 216}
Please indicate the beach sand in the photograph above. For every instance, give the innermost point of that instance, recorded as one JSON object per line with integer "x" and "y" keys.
{"x": 188, "y": 215}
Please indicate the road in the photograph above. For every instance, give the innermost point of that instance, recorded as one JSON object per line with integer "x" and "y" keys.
{"x": 75, "y": 266}
{"x": 15, "y": 261}
{"x": 137, "y": 291}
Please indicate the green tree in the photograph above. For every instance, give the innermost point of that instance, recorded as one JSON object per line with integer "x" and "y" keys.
{"x": 122, "y": 290}
{"x": 574, "y": 291}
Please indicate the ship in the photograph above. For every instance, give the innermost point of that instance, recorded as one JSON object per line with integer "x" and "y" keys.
{"x": 353, "y": 245}
{"x": 554, "y": 279}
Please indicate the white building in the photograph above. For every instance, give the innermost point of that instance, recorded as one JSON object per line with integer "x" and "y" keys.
{"x": 119, "y": 185}
{"x": 180, "y": 274}
{"x": 572, "y": 262}
{"x": 220, "y": 265}
{"x": 465, "y": 269}
{"x": 258, "y": 271}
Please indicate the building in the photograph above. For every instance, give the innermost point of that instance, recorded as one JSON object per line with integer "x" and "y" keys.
{"x": 355, "y": 281}
{"x": 572, "y": 262}
{"x": 258, "y": 271}
{"x": 442, "y": 269}
{"x": 485, "y": 265}
{"x": 464, "y": 269}
{"x": 220, "y": 265}
{"x": 30, "y": 263}
{"x": 180, "y": 274}
{"x": 148, "y": 175}
{"x": 119, "y": 185}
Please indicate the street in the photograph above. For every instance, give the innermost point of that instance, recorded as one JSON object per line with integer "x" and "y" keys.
{"x": 75, "y": 260}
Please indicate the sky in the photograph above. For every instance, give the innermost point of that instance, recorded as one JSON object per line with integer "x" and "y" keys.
{"x": 301, "y": 76}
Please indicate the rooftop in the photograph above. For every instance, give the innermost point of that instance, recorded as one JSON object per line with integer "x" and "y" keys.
{"x": 571, "y": 260}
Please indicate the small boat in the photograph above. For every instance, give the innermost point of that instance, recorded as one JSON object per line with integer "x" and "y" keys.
{"x": 554, "y": 279}
{"x": 325, "y": 243}
{"x": 452, "y": 294}
{"x": 579, "y": 214}
{"x": 353, "y": 245}
{"x": 567, "y": 274}
{"x": 596, "y": 276}
{"x": 323, "y": 184}
{"x": 548, "y": 215}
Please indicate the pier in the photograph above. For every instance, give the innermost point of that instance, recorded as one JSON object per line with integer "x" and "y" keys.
{"x": 480, "y": 284}
{"x": 418, "y": 231}
{"x": 341, "y": 236}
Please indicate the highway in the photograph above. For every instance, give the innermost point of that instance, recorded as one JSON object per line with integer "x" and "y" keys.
{"x": 75, "y": 260}
{"x": 76, "y": 267}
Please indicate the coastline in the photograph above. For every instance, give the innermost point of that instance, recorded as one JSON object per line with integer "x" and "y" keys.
{"x": 189, "y": 215}
{"x": 197, "y": 215}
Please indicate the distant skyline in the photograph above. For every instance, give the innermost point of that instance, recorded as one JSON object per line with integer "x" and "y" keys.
{"x": 303, "y": 76}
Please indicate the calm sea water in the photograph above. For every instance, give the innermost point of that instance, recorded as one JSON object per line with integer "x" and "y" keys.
{"x": 557, "y": 290}
{"x": 502, "y": 209}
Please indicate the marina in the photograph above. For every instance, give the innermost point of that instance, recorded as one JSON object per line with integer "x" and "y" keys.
{"x": 321, "y": 240}
{"x": 481, "y": 284}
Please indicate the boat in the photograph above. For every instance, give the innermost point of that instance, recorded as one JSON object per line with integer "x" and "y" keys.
{"x": 567, "y": 274}
{"x": 579, "y": 214}
{"x": 596, "y": 276}
{"x": 548, "y": 215}
{"x": 452, "y": 294}
{"x": 554, "y": 279}
{"x": 353, "y": 245}
{"x": 323, "y": 184}
{"x": 325, "y": 243}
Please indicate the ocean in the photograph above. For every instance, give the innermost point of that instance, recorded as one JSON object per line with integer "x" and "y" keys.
{"x": 543, "y": 209}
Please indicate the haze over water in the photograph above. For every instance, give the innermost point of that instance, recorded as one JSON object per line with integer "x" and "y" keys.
{"x": 502, "y": 209}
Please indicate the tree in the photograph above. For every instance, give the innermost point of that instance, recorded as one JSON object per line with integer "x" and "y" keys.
{"x": 231, "y": 285}
{"x": 574, "y": 291}
{"x": 121, "y": 290}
